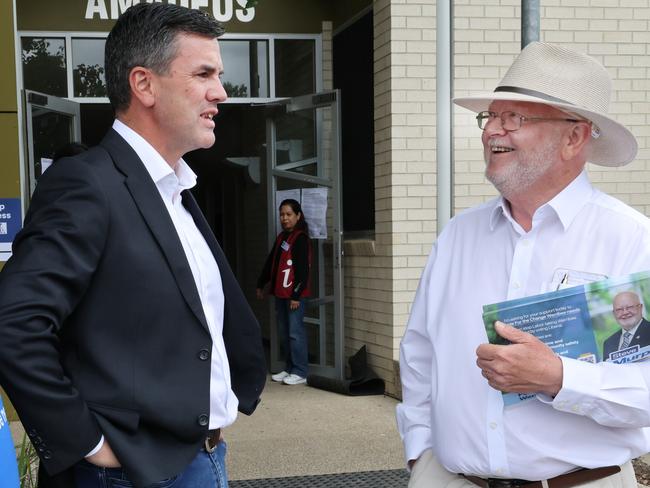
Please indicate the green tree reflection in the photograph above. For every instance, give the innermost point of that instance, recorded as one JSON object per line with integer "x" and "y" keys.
{"x": 89, "y": 81}
{"x": 44, "y": 66}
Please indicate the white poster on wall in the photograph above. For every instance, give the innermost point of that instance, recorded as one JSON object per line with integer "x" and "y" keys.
{"x": 314, "y": 205}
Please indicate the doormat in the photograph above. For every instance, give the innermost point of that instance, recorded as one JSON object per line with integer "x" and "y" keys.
{"x": 392, "y": 478}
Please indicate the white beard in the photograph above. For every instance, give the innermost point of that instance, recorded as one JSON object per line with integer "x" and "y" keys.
{"x": 521, "y": 174}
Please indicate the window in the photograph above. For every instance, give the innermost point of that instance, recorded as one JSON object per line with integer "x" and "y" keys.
{"x": 88, "y": 77}
{"x": 246, "y": 68}
{"x": 44, "y": 65}
{"x": 256, "y": 66}
{"x": 294, "y": 67}
{"x": 353, "y": 74}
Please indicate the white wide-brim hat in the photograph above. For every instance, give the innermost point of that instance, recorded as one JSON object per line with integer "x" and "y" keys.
{"x": 572, "y": 82}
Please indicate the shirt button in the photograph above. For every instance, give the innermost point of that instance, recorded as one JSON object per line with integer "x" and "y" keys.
{"x": 47, "y": 455}
{"x": 516, "y": 285}
{"x": 203, "y": 420}
{"x": 204, "y": 354}
{"x": 493, "y": 425}
{"x": 575, "y": 408}
{"x": 525, "y": 243}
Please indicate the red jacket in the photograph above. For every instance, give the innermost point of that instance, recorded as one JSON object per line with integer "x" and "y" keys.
{"x": 283, "y": 270}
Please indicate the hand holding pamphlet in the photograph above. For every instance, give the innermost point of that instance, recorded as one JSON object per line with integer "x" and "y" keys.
{"x": 599, "y": 321}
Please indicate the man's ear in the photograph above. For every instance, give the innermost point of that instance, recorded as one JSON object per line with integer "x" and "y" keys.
{"x": 576, "y": 139}
{"x": 142, "y": 87}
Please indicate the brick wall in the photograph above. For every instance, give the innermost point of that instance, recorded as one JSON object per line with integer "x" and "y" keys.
{"x": 487, "y": 38}
{"x": 381, "y": 276}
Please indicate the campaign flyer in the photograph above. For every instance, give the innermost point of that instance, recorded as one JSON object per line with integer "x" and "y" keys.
{"x": 586, "y": 322}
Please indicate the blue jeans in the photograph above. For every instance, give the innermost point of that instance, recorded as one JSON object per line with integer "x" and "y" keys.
{"x": 293, "y": 335}
{"x": 207, "y": 470}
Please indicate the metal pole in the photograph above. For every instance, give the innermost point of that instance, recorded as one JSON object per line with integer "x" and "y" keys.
{"x": 444, "y": 120}
{"x": 529, "y": 22}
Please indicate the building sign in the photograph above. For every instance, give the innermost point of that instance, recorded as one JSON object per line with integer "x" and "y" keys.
{"x": 222, "y": 10}
{"x": 10, "y": 223}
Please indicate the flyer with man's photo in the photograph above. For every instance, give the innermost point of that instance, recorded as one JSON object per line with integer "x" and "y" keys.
{"x": 598, "y": 321}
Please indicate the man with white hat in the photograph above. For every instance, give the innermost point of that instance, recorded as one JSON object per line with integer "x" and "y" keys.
{"x": 549, "y": 228}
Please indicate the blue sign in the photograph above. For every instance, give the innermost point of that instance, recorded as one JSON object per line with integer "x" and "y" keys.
{"x": 10, "y": 218}
{"x": 8, "y": 466}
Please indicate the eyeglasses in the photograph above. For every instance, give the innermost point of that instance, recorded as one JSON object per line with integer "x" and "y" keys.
{"x": 511, "y": 121}
{"x": 627, "y": 308}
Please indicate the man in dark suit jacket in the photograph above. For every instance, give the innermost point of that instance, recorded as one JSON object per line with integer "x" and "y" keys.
{"x": 125, "y": 341}
{"x": 628, "y": 312}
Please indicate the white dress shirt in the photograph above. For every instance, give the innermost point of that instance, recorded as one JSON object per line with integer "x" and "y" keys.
{"x": 483, "y": 256}
{"x": 170, "y": 184}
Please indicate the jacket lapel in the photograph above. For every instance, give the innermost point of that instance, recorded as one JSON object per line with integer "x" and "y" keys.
{"x": 153, "y": 211}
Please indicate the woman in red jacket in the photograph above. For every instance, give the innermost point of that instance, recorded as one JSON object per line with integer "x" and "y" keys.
{"x": 287, "y": 270}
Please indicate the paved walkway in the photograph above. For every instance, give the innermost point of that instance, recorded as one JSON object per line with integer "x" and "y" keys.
{"x": 299, "y": 430}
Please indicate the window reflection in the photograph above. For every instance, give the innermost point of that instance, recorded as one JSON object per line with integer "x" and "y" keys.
{"x": 44, "y": 68}
{"x": 245, "y": 68}
{"x": 88, "y": 67}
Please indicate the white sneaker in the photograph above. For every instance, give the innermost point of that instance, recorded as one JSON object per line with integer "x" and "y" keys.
{"x": 279, "y": 376}
{"x": 294, "y": 379}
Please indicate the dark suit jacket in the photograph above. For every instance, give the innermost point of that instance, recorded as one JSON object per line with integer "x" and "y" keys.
{"x": 641, "y": 338}
{"x": 101, "y": 325}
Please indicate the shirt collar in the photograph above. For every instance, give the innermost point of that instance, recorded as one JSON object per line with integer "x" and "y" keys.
{"x": 182, "y": 176}
{"x": 565, "y": 204}
{"x": 572, "y": 199}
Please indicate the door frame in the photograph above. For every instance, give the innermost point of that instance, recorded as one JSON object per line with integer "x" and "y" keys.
{"x": 33, "y": 101}
{"x": 326, "y": 99}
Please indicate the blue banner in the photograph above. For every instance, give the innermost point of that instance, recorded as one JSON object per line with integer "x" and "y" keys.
{"x": 8, "y": 466}
{"x": 10, "y": 218}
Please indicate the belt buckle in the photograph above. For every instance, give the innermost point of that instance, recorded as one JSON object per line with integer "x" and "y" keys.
{"x": 209, "y": 449}
{"x": 214, "y": 437}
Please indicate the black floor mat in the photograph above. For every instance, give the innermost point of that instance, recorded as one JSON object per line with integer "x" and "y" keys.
{"x": 392, "y": 478}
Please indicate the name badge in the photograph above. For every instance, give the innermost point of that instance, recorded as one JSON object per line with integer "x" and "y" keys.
{"x": 285, "y": 246}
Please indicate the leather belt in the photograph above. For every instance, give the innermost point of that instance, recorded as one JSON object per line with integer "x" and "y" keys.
{"x": 568, "y": 480}
{"x": 212, "y": 440}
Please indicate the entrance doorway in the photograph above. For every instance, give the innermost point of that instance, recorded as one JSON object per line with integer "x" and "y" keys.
{"x": 260, "y": 149}
{"x": 303, "y": 162}
{"x": 50, "y": 123}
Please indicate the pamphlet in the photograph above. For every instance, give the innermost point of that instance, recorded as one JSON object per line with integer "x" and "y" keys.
{"x": 586, "y": 322}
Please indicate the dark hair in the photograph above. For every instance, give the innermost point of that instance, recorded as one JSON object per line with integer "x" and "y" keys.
{"x": 145, "y": 35}
{"x": 69, "y": 149}
{"x": 297, "y": 209}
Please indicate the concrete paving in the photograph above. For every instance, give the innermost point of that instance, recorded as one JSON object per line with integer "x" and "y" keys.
{"x": 299, "y": 430}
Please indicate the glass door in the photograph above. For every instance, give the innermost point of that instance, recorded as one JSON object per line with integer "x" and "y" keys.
{"x": 50, "y": 123}
{"x": 303, "y": 162}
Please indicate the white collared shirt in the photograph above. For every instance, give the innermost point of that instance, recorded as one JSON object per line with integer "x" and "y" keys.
{"x": 170, "y": 184}
{"x": 483, "y": 256}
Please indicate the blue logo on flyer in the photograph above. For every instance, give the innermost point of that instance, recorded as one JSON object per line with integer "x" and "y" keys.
{"x": 10, "y": 218}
